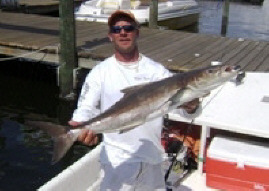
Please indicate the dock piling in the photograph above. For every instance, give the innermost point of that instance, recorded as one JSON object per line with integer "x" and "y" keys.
{"x": 153, "y": 14}
{"x": 68, "y": 52}
{"x": 225, "y": 17}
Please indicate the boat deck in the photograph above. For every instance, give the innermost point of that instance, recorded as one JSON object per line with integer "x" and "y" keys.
{"x": 37, "y": 37}
{"x": 195, "y": 182}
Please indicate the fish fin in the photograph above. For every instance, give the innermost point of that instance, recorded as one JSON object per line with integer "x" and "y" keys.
{"x": 161, "y": 111}
{"x": 125, "y": 130}
{"x": 132, "y": 89}
{"x": 131, "y": 126}
{"x": 207, "y": 94}
{"x": 62, "y": 137}
{"x": 53, "y": 130}
{"x": 175, "y": 99}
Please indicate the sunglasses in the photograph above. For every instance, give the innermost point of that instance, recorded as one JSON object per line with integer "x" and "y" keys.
{"x": 126, "y": 28}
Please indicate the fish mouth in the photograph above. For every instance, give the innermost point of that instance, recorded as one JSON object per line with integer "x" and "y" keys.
{"x": 230, "y": 68}
{"x": 221, "y": 72}
{"x": 240, "y": 75}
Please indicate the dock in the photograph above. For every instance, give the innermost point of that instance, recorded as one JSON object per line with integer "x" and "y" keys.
{"x": 36, "y": 37}
{"x": 34, "y": 6}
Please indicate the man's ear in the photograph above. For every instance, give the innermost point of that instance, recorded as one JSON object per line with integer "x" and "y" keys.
{"x": 110, "y": 37}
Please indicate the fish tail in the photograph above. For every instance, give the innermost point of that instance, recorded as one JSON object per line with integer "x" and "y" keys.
{"x": 62, "y": 144}
{"x": 62, "y": 137}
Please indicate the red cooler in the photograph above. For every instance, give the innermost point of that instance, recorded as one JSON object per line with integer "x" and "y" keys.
{"x": 238, "y": 165}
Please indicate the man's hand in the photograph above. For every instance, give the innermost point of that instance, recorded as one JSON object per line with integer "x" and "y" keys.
{"x": 86, "y": 136}
{"x": 191, "y": 107}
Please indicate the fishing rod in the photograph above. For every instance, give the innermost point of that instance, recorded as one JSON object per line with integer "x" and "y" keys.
{"x": 180, "y": 149}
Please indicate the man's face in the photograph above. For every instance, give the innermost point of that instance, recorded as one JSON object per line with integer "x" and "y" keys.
{"x": 124, "y": 39}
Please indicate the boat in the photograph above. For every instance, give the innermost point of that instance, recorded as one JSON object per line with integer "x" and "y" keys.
{"x": 172, "y": 14}
{"x": 240, "y": 153}
{"x": 85, "y": 174}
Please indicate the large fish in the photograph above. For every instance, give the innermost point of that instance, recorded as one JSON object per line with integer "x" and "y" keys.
{"x": 142, "y": 103}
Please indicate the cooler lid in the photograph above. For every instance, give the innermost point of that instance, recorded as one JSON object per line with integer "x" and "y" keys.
{"x": 242, "y": 152}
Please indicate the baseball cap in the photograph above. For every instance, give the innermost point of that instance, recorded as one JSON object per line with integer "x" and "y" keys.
{"x": 114, "y": 17}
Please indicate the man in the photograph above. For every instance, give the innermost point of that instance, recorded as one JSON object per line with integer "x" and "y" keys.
{"x": 130, "y": 160}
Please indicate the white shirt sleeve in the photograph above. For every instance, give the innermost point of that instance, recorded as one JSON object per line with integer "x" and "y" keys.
{"x": 88, "y": 102}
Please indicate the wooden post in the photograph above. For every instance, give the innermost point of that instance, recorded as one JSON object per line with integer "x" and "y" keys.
{"x": 68, "y": 52}
{"x": 225, "y": 18}
{"x": 153, "y": 14}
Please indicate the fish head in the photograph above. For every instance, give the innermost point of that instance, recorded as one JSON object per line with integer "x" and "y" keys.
{"x": 214, "y": 76}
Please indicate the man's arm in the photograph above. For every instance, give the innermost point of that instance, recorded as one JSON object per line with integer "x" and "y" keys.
{"x": 88, "y": 107}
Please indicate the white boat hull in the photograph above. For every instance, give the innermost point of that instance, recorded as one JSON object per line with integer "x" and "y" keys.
{"x": 185, "y": 11}
{"x": 82, "y": 175}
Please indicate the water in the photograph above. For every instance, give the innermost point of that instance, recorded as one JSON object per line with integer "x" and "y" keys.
{"x": 30, "y": 93}
{"x": 245, "y": 20}
{"x": 25, "y": 152}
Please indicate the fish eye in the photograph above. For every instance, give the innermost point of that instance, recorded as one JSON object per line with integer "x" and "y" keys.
{"x": 228, "y": 69}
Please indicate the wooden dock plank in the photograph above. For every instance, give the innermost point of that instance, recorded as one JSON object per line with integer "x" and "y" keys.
{"x": 157, "y": 45}
{"x": 188, "y": 48}
{"x": 257, "y": 62}
{"x": 188, "y": 54}
{"x": 249, "y": 58}
{"x": 85, "y": 39}
{"x": 15, "y": 17}
{"x": 28, "y": 40}
{"x": 147, "y": 41}
{"x": 177, "y": 50}
{"x": 173, "y": 48}
{"x": 12, "y": 30}
{"x": 185, "y": 50}
{"x": 264, "y": 67}
{"x": 204, "y": 53}
{"x": 218, "y": 53}
{"x": 38, "y": 2}
{"x": 182, "y": 38}
{"x": 210, "y": 53}
{"x": 233, "y": 52}
{"x": 241, "y": 55}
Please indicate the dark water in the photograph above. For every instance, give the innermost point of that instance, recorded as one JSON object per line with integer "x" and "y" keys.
{"x": 28, "y": 91}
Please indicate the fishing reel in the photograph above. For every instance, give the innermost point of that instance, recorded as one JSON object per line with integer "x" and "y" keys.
{"x": 179, "y": 161}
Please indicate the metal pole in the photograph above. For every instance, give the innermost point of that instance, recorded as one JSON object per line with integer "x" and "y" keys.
{"x": 225, "y": 17}
{"x": 68, "y": 52}
{"x": 201, "y": 158}
{"x": 153, "y": 14}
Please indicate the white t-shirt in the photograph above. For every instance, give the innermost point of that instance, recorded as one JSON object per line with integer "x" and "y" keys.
{"x": 102, "y": 89}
